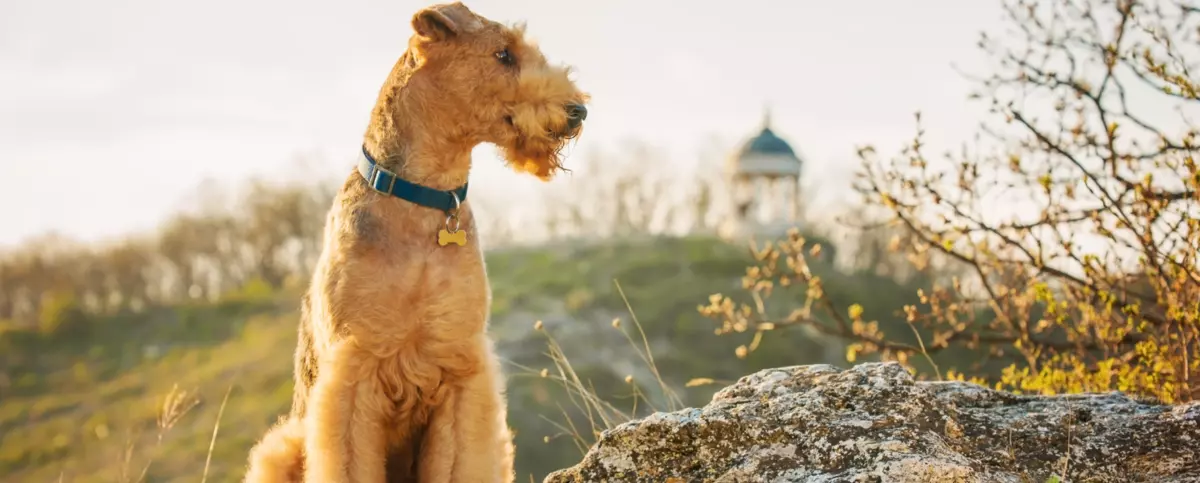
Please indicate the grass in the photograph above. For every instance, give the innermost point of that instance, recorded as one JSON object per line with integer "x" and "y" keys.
{"x": 599, "y": 413}
{"x": 79, "y": 404}
{"x": 213, "y": 442}
{"x": 156, "y": 418}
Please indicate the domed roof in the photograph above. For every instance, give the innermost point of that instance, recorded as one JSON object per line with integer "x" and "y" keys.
{"x": 768, "y": 143}
{"x": 767, "y": 154}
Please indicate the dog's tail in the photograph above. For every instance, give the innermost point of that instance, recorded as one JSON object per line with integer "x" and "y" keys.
{"x": 279, "y": 456}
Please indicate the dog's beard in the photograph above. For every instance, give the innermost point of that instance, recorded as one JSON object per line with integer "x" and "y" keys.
{"x": 539, "y": 158}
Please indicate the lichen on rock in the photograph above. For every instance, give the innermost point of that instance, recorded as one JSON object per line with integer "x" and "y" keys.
{"x": 875, "y": 423}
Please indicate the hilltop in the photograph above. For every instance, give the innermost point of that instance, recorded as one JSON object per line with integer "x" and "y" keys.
{"x": 79, "y": 404}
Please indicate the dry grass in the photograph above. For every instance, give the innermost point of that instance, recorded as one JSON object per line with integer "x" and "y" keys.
{"x": 175, "y": 405}
{"x": 598, "y": 413}
{"x": 212, "y": 442}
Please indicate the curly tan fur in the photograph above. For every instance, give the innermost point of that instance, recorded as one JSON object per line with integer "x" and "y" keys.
{"x": 396, "y": 379}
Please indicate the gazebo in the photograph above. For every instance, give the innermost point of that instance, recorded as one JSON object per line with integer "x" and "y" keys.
{"x": 765, "y": 178}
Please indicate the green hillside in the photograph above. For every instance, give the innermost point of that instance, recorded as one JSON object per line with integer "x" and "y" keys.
{"x": 87, "y": 406}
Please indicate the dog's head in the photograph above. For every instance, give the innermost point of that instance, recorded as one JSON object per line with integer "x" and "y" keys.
{"x": 483, "y": 82}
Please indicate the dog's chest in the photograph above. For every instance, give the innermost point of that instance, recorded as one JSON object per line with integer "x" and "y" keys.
{"x": 456, "y": 273}
{"x": 441, "y": 296}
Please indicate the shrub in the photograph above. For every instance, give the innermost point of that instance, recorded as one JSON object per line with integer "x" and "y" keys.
{"x": 61, "y": 314}
{"x": 1073, "y": 230}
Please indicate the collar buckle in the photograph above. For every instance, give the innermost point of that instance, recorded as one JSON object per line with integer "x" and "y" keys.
{"x": 376, "y": 174}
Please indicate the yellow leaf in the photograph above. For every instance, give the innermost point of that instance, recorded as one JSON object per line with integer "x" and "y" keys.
{"x": 699, "y": 381}
{"x": 856, "y": 311}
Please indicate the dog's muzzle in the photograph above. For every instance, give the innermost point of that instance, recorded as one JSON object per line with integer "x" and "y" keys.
{"x": 576, "y": 113}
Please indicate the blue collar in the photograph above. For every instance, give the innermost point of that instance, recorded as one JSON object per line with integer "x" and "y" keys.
{"x": 389, "y": 183}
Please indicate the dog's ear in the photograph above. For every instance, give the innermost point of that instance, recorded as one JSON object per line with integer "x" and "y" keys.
{"x": 440, "y": 22}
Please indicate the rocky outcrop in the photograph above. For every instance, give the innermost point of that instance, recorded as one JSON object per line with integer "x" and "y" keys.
{"x": 875, "y": 423}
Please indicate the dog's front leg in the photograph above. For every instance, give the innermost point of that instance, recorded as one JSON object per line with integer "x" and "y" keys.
{"x": 279, "y": 456}
{"x": 467, "y": 439}
{"x": 345, "y": 419}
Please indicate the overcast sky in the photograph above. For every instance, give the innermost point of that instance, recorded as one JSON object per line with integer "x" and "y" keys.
{"x": 111, "y": 112}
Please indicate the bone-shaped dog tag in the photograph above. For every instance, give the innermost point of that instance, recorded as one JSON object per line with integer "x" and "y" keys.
{"x": 458, "y": 237}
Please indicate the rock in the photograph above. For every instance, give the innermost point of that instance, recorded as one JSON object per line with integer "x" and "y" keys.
{"x": 875, "y": 423}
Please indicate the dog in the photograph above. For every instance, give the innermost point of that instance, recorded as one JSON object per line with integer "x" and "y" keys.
{"x": 396, "y": 379}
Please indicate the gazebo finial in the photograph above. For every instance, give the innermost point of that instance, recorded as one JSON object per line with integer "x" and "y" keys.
{"x": 766, "y": 115}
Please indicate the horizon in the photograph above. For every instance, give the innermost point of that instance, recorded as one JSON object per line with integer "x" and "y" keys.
{"x": 165, "y": 105}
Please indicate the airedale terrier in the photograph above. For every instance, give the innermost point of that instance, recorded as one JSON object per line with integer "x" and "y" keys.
{"x": 396, "y": 379}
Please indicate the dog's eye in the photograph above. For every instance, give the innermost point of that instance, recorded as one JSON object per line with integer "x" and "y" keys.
{"x": 505, "y": 57}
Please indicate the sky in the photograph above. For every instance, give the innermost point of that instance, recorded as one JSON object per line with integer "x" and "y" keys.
{"x": 112, "y": 112}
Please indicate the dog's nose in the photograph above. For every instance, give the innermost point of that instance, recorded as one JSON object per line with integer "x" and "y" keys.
{"x": 576, "y": 113}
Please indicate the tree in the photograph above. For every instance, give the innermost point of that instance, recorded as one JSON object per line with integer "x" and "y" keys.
{"x": 634, "y": 191}
{"x": 1076, "y": 217}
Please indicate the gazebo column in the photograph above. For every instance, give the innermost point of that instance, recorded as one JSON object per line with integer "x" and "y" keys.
{"x": 795, "y": 199}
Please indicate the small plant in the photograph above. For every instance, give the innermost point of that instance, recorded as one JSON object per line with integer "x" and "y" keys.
{"x": 599, "y": 413}
{"x": 175, "y": 405}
